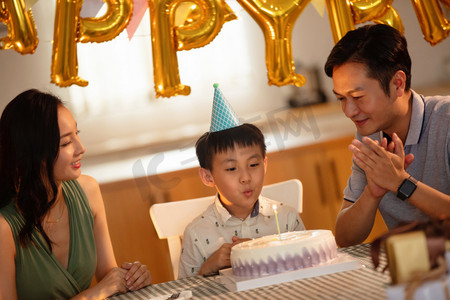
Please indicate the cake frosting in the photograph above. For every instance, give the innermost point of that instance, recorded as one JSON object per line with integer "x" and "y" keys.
{"x": 288, "y": 251}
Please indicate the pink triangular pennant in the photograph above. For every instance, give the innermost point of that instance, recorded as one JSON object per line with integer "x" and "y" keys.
{"x": 139, "y": 8}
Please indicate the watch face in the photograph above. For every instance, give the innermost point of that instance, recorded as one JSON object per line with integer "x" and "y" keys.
{"x": 409, "y": 187}
{"x": 406, "y": 189}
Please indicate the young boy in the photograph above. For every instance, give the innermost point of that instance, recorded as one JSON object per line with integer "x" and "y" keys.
{"x": 232, "y": 159}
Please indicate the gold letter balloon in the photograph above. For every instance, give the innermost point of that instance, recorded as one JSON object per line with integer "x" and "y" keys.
{"x": 276, "y": 19}
{"x": 206, "y": 20}
{"x": 22, "y": 34}
{"x": 344, "y": 15}
{"x": 377, "y": 11}
{"x": 200, "y": 22}
{"x": 200, "y": 27}
{"x": 435, "y": 27}
{"x": 70, "y": 29}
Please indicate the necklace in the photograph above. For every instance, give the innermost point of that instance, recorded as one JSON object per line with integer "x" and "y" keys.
{"x": 47, "y": 220}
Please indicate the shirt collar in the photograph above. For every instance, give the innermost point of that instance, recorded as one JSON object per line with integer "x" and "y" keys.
{"x": 417, "y": 114}
{"x": 415, "y": 124}
{"x": 225, "y": 214}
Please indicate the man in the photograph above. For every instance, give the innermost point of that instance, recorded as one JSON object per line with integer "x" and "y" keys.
{"x": 401, "y": 153}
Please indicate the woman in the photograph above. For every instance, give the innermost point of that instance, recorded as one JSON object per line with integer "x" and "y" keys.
{"x": 53, "y": 231}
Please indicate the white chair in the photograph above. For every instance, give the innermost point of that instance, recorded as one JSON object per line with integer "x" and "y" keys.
{"x": 171, "y": 218}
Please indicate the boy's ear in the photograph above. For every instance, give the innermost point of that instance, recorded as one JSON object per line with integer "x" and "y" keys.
{"x": 206, "y": 177}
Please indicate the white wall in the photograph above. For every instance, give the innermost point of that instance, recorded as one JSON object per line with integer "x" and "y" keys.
{"x": 118, "y": 109}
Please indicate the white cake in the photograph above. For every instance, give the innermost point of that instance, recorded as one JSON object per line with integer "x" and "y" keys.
{"x": 269, "y": 255}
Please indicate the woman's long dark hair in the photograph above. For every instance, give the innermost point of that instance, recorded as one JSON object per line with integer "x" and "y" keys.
{"x": 29, "y": 146}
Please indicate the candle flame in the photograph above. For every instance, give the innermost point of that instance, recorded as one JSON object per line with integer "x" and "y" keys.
{"x": 274, "y": 207}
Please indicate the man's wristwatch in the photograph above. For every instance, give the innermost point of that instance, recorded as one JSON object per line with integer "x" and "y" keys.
{"x": 407, "y": 187}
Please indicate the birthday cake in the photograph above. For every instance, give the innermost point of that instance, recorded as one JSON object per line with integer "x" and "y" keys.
{"x": 288, "y": 251}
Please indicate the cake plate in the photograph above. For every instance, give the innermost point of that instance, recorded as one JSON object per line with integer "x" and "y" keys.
{"x": 343, "y": 262}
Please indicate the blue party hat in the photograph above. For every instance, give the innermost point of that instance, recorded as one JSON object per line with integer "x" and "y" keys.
{"x": 223, "y": 117}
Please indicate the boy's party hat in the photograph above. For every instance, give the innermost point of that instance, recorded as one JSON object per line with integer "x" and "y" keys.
{"x": 223, "y": 117}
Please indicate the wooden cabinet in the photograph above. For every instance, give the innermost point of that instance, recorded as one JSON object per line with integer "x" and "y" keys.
{"x": 133, "y": 236}
{"x": 307, "y": 167}
{"x": 323, "y": 168}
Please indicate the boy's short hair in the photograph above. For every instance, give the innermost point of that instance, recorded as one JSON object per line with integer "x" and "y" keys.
{"x": 381, "y": 48}
{"x": 211, "y": 143}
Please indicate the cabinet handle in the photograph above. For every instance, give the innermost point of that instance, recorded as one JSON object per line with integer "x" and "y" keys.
{"x": 335, "y": 179}
{"x": 320, "y": 180}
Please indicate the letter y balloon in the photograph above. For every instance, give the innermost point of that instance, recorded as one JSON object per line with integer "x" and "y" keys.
{"x": 277, "y": 19}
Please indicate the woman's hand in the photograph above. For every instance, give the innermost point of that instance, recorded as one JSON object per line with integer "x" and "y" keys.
{"x": 137, "y": 275}
{"x": 113, "y": 283}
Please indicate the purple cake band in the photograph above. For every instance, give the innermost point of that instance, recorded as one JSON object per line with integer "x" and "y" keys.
{"x": 308, "y": 258}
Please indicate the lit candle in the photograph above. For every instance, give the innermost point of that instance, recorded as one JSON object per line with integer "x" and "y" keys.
{"x": 276, "y": 219}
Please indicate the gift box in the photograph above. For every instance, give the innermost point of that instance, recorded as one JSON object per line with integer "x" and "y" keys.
{"x": 431, "y": 285}
{"x": 407, "y": 255}
{"x": 414, "y": 251}
{"x": 430, "y": 290}
{"x": 418, "y": 262}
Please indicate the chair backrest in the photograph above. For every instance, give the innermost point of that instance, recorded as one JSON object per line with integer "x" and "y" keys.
{"x": 171, "y": 218}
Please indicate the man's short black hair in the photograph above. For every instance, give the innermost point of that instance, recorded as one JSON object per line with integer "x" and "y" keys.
{"x": 211, "y": 143}
{"x": 381, "y": 48}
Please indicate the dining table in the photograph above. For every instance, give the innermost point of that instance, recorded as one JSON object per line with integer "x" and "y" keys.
{"x": 363, "y": 282}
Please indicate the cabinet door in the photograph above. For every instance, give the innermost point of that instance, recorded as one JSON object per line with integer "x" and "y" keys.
{"x": 185, "y": 184}
{"x": 339, "y": 164}
{"x": 306, "y": 166}
{"x": 132, "y": 233}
